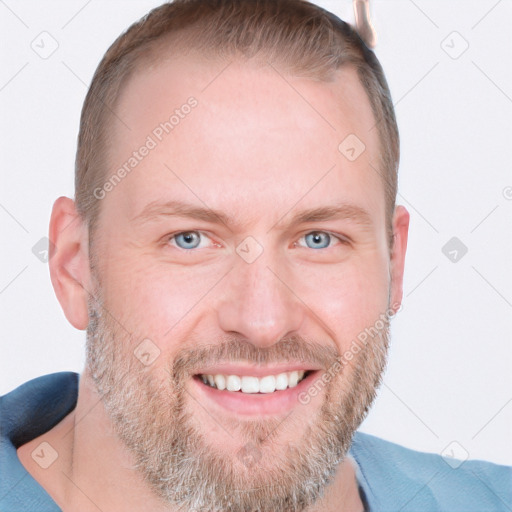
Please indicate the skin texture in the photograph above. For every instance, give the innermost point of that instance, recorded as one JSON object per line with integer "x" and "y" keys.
{"x": 259, "y": 146}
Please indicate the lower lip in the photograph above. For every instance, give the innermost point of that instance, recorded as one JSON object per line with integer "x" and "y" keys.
{"x": 252, "y": 404}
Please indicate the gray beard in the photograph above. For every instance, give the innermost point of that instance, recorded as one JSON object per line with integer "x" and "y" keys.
{"x": 170, "y": 451}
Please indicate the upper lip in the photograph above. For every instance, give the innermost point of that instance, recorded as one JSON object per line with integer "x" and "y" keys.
{"x": 254, "y": 371}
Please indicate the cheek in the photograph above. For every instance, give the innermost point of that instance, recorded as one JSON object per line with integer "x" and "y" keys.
{"x": 347, "y": 298}
{"x": 160, "y": 301}
{"x": 156, "y": 299}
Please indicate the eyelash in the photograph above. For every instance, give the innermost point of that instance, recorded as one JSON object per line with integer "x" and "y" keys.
{"x": 342, "y": 240}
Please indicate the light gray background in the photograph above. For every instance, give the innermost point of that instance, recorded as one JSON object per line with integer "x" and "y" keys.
{"x": 449, "y": 377}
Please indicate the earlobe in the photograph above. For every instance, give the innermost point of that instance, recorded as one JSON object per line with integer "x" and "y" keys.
{"x": 69, "y": 261}
{"x": 400, "y": 234}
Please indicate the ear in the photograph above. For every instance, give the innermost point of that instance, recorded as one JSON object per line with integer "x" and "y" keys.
{"x": 400, "y": 233}
{"x": 69, "y": 261}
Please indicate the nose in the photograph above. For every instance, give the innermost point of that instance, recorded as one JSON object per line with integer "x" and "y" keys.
{"x": 258, "y": 302}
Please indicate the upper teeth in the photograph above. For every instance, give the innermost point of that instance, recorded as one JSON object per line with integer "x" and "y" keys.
{"x": 246, "y": 384}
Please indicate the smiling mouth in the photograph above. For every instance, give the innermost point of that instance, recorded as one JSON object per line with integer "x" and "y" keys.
{"x": 254, "y": 385}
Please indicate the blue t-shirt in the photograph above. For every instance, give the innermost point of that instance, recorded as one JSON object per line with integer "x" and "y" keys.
{"x": 391, "y": 478}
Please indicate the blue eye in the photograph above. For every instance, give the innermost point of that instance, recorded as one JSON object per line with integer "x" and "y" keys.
{"x": 318, "y": 239}
{"x": 189, "y": 239}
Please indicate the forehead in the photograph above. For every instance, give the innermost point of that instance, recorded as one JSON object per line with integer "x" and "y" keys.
{"x": 232, "y": 134}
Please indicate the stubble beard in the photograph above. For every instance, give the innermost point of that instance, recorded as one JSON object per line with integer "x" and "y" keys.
{"x": 178, "y": 463}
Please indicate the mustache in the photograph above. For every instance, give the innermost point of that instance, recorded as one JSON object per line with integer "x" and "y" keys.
{"x": 291, "y": 349}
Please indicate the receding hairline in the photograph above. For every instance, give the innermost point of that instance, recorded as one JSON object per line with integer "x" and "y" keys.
{"x": 183, "y": 46}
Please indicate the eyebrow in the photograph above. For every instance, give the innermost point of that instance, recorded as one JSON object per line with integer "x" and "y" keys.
{"x": 174, "y": 208}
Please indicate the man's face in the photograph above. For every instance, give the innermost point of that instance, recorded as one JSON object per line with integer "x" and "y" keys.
{"x": 258, "y": 294}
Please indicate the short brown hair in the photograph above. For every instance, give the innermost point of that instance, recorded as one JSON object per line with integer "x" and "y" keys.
{"x": 304, "y": 38}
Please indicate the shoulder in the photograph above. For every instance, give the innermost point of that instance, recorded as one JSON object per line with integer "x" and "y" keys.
{"x": 27, "y": 412}
{"x": 397, "y": 478}
{"x": 35, "y": 406}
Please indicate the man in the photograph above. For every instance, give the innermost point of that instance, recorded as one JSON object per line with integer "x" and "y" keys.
{"x": 235, "y": 254}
